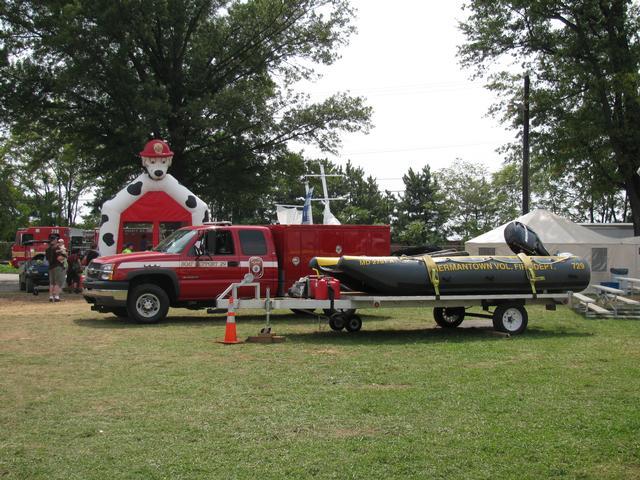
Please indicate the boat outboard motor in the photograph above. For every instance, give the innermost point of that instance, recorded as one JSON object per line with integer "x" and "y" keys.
{"x": 521, "y": 239}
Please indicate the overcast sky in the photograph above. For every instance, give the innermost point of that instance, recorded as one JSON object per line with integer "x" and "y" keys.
{"x": 426, "y": 110}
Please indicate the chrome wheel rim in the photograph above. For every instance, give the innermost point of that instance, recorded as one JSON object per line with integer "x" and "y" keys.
{"x": 148, "y": 305}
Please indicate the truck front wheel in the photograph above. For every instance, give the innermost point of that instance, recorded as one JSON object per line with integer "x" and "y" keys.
{"x": 147, "y": 303}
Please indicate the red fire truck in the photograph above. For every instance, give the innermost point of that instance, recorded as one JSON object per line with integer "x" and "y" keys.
{"x": 32, "y": 240}
{"x": 195, "y": 264}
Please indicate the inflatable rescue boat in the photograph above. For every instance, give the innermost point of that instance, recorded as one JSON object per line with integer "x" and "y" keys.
{"x": 530, "y": 270}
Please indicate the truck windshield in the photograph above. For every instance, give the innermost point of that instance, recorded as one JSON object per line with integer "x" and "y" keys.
{"x": 176, "y": 242}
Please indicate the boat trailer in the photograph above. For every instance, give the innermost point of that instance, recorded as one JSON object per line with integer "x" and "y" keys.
{"x": 507, "y": 311}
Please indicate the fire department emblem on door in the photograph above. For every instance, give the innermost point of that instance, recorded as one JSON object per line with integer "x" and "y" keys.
{"x": 256, "y": 267}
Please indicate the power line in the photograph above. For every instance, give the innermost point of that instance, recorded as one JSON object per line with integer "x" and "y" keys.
{"x": 415, "y": 149}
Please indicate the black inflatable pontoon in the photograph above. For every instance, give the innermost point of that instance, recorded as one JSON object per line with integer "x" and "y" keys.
{"x": 531, "y": 270}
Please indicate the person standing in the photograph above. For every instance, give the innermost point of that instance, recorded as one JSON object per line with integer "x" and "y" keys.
{"x": 73, "y": 272}
{"x": 56, "y": 258}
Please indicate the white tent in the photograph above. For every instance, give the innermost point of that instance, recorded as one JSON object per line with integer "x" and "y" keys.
{"x": 561, "y": 235}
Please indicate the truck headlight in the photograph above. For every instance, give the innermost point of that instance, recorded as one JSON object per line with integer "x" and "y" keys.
{"x": 106, "y": 271}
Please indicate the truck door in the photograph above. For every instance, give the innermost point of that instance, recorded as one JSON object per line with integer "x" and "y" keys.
{"x": 210, "y": 265}
{"x": 258, "y": 257}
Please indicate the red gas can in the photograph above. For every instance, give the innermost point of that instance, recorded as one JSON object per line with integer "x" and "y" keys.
{"x": 318, "y": 288}
{"x": 334, "y": 284}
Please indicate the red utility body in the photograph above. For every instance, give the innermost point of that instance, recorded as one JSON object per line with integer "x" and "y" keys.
{"x": 196, "y": 264}
{"x": 296, "y": 245}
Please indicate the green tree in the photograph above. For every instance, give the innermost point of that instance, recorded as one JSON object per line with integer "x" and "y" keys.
{"x": 422, "y": 209}
{"x": 13, "y": 208}
{"x": 506, "y": 193}
{"x": 48, "y": 171}
{"x": 584, "y": 60}
{"x": 472, "y": 209}
{"x": 573, "y": 193}
{"x": 364, "y": 202}
{"x": 213, "y": 77}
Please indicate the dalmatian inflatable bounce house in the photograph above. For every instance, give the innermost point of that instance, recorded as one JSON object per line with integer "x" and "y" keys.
{"x": 153, "y": 197}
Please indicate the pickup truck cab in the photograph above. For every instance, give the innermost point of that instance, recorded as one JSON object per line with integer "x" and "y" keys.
{"x": 188, "y": 269}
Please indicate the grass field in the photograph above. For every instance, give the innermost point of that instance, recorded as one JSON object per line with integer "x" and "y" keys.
{"x": 85, "y": 395}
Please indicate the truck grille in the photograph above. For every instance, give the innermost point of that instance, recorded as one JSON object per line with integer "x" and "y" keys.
{"x": 93, "y": 270}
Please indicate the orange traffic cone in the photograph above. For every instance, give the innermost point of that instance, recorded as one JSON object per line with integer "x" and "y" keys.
{"x": 230, "y": 335}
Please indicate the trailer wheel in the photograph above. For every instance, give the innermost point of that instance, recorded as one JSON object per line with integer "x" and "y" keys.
{"x": 337, "y": 322}
{"x": 147, "y": 303}
{"x": 511, "y": 319}
{"x": 449, "y": 317}
{"x": 353, "y": 324}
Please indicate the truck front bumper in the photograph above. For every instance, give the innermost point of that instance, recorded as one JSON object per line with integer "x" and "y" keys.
{"x": 105, "y": 294}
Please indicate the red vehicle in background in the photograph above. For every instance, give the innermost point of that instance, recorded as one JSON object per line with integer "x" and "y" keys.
{"x": 32, "y": 240}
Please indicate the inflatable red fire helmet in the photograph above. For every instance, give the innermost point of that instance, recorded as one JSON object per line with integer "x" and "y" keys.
{"x": 156, "y": 158}
{"x": 156, "y": 149}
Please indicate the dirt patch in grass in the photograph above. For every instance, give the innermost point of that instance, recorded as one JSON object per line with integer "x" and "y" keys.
{"x": 332, "y": 352}
{"x": 6, "y": 336}
{"x": 26, "y": 304}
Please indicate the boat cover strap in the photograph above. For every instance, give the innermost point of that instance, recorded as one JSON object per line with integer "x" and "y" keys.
{"x": 531, "y": 273}
{"x": 432, "y": 270}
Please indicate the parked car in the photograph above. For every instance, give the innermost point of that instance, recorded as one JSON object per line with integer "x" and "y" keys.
{"x": 34, "y": 272}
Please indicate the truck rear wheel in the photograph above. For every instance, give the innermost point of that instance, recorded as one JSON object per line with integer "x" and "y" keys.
{"x": 147, "y": 303}
{"x": 511, "y": 319}
{"x": 449, "y": 317}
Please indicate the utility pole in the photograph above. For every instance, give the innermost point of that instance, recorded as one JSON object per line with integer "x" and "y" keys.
{"x": 525, "y": 148}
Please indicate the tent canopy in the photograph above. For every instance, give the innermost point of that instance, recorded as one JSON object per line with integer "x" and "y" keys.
{"x": 551, "y": 228}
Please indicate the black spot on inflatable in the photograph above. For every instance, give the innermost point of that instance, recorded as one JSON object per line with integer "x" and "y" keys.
{"x": 206, "y": 217}
{"x": 135, "y": 188}
{"x": 104, "y": 219}
{"x": 191, "y": 201}
{"x": 108, "y": 239}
